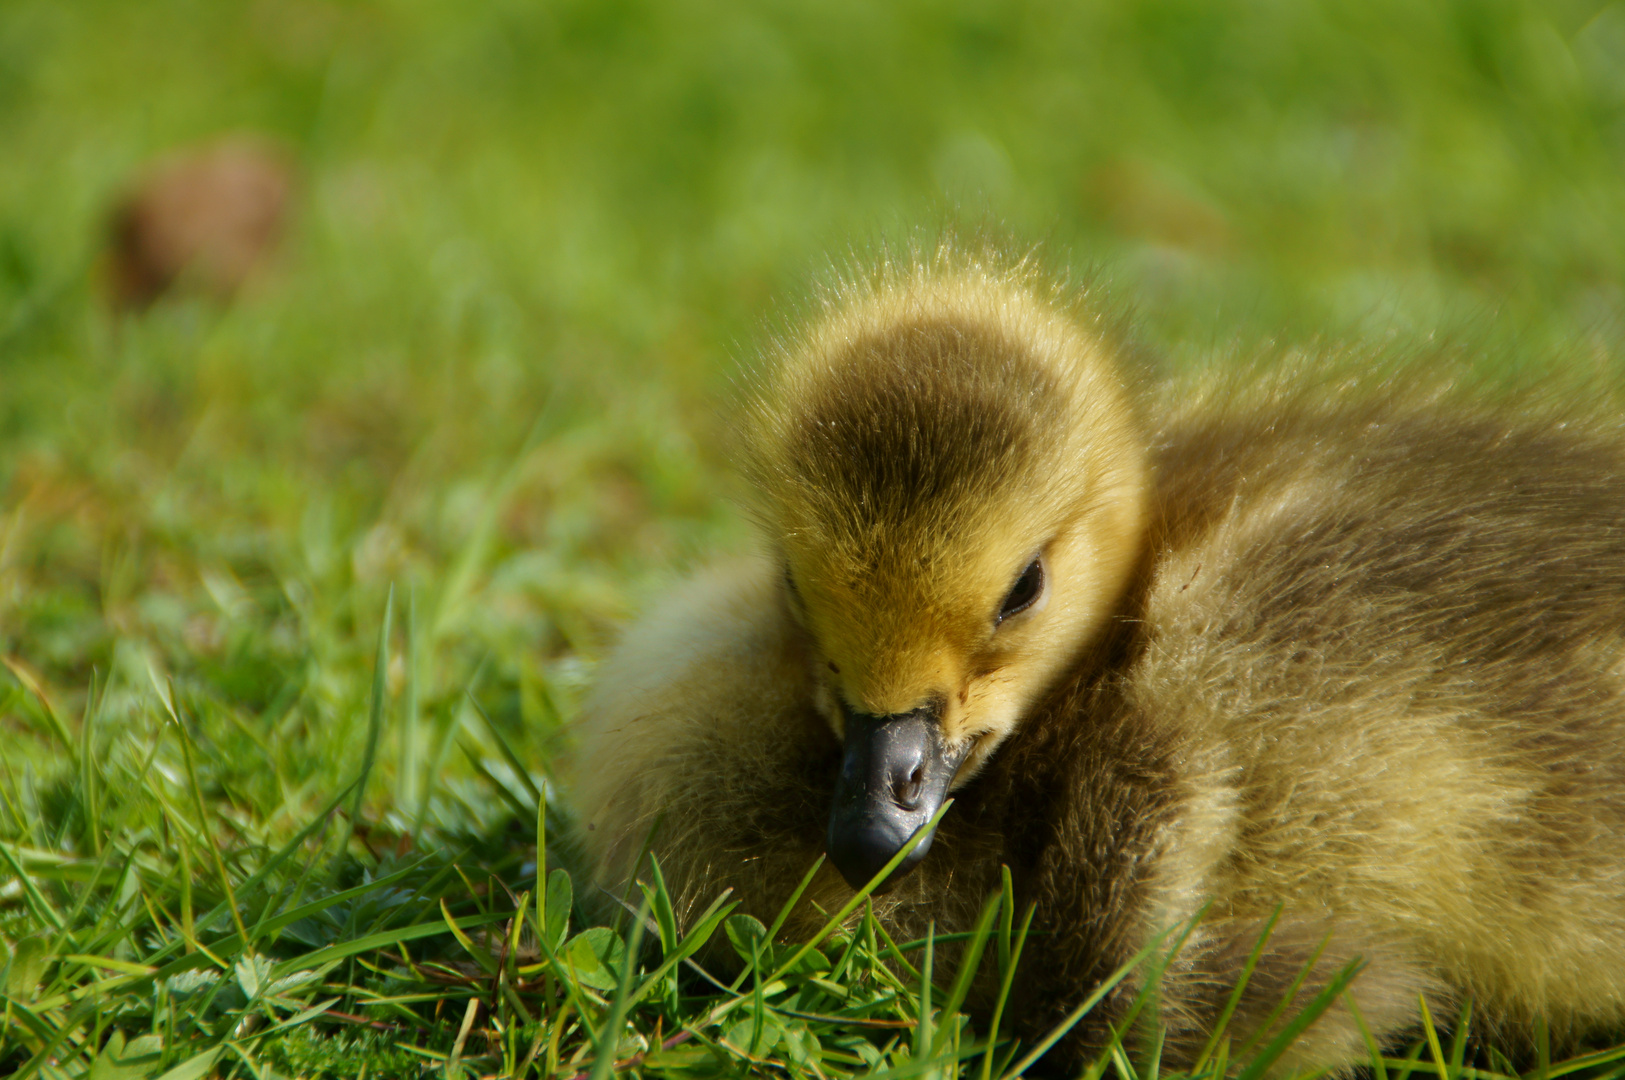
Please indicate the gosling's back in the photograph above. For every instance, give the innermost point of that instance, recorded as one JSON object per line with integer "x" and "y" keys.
{"x": 1394, "y": 640}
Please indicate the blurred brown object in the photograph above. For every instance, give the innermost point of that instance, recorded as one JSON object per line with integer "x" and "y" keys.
{"x": 203, "y": 218}
{"x": 1149, "y": 202}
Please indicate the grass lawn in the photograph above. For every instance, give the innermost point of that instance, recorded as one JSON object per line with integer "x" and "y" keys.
{"x": 298, "y": 595}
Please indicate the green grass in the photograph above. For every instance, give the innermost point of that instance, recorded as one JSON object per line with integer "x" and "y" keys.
{"x": 297, "y": 596}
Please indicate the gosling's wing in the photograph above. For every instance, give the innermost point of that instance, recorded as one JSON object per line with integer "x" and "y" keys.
{"x": 701, "y": 741}
{"x": 1403, "y": 646}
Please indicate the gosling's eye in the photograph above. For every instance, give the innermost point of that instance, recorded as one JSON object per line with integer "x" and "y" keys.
{"x": 1027, "y": 589}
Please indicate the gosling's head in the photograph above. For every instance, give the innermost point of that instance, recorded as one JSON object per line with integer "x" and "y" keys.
{"x": 949, "y": 469}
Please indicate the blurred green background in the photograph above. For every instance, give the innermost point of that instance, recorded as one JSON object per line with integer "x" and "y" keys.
{"x": 533, "y": 241}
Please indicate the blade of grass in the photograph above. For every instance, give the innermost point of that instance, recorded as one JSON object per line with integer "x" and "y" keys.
{"x": 970, "y": 960}
{"x": 515, "y": 934}
{"x": 1119, "y": 1060}
{"x": 480, "y": 957}
{"x": 196, "y": 1066}
{"x": 1322, "y": 1001}
{"x": 609, "y": 1034}
{"x": 838, "y": 972}
{"x": 28, "y": 1019}
{"x": 411, "y": 766}
{"x": 758, "y": 1000}
{"x": 519, "y": 809}
{"x": 23, "y": 675}
{"x": 1058, "y": 1032}
{"x": 665, "y": 915}
{"x": 453, "y": 1070}
{"x": 1153, "y": 1061}
{"x": 923, "y": 1035}
{"x": 1285, "y": 1002}
{"x": 89, "y": 774}
{"x": 692, "y": 942}
{"x": 541, "y": 869}
{"x": 1458, "y": 1041}
{"x": 1007, "y": 978}
{"x": 1149, "y": 992}
{"x": 1586, "y": 1061}
{"x": 375, "y": 714}
{"x": 1221, "y": 1060}
{"x": 43, "y": 910}
{"x": 795, "y": 895}
{"x": 1379, "y": 1071}
{"x": 76, "y": 1018}
{"x": 1407, "y": 1064}
{"x": 1234, "y": 999}
{"x": 623, "y": 902}
{"x": 1007, "y": 915}
{"x": 442, "y": 746}
{"x": 895, "y": 952}
{"x": 202, "y": 812}
{"x": 65, "y": 935}
{"x": 1432, "y": 1034}
{"x": 508, "y": 754}
{"x": 372, "y": 943}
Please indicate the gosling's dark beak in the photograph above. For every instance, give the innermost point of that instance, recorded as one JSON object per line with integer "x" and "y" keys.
{"x": 894, "y": 776}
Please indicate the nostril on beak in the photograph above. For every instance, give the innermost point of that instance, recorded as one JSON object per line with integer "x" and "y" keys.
{"x": 908, "y": 792}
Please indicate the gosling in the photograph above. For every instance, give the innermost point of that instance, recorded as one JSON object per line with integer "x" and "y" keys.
{"x": 1280, "y": 642}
